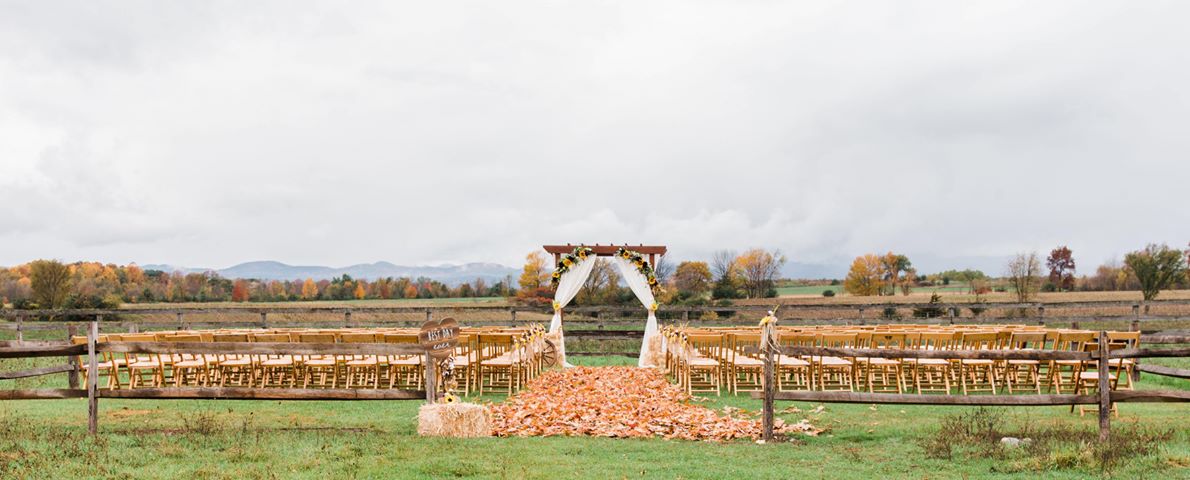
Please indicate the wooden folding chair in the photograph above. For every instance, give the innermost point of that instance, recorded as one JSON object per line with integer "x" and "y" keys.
{"x": 1063, "y": 373}
{"x": 404, "y": 371}
{"x": 361, "y": 370}
{"x": 140, "y": 366}
{"x": 231, "y": 369}
{"x": 1024, "y": 371}
{"x": 319, "y": 370}
{"x": 188, "y": 369}
{"x": 835, "y": 373}
{"x": 745, "y": 371}
{"x": 932, "y": 374}
{"x": 498, "y": 362}
{"x": 793, "y": 371}
{"x": 703, "y": 371}
{"x": 883, "y": 374}
{"x": 275, "y": 370}
{"x": 977, "y": 374}
{"x": 104, "y": 365}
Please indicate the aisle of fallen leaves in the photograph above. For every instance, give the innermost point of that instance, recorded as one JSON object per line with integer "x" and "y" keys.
{"x": 622, "y": 402}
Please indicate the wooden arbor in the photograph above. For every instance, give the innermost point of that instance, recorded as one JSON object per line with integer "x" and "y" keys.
{"x": 653, "y": 251}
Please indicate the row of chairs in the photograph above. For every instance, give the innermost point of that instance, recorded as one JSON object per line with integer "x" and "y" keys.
{"x": 486, "y": 359}
{"x": 715, "y": 359}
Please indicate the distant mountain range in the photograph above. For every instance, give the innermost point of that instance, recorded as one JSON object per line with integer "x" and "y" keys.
{"x": 269, "y": 270}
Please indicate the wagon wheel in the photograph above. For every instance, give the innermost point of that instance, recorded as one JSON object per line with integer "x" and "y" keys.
{"x": 549, "y": 354}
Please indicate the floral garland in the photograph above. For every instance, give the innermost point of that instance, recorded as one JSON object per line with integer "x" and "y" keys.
{"x": 641, "y": 265}
{"x": 569, "y": 260}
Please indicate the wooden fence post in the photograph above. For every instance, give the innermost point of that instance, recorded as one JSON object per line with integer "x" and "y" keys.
{"x": 950, "y": 313}
{"x": 429, "y": 314}
{"x": 861, "y": 315}
{"x": 92, "y": 378}
{"x": 1041, "y": 315}
{"x": 1104, "y": 390}
{"x": 20, "y": 326}
{"x": 1135, "y": 328}
{"x": 770, "y": 380}
{"x": 347, "y": 318}
{"x": 264, "y": 320}
{"x": 181, "y": 322}
{"x": 72, "y": 375}
{"x": 512, "y": 312}
{"x": 431, "y": 378}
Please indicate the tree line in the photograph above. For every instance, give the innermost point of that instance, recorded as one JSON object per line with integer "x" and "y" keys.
{"x": 1151, "y": 269}
{"x": 50, "y": 284}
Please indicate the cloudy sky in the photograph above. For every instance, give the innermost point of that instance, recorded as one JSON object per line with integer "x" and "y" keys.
{"x": 212, "y": 133}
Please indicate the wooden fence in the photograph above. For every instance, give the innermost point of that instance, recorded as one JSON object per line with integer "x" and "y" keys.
{"x": 92, "y": 393}
{"x": 597, "y": 323}
{"x": 1104, "y": 398}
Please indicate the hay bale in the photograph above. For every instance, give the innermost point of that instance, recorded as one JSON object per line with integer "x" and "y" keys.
{"x": 460, "y": 420}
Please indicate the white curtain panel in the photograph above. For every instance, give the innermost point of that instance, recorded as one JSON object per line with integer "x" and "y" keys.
{"x": 640, "y": 286}
{"x": 568, "y": 286}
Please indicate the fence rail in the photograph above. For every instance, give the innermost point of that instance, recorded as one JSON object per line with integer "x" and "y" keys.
{"x": 1102, "y": 356}
{"x": 92, "y": 393}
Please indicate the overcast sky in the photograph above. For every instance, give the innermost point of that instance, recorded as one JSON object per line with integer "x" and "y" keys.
{"x": 213, "y": 133}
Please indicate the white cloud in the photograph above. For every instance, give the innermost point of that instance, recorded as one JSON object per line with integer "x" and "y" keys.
{"x": 216, "y": 133}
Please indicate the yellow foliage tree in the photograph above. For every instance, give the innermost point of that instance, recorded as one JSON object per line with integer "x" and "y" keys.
{"x": 309, "y": 289}
{"x": 535, "y": 272}
{"x": 866, "y": 276}
{"x": 360, "y": 292}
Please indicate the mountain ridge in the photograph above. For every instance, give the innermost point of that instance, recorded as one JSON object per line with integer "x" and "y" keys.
{"x": 274, "y": 270}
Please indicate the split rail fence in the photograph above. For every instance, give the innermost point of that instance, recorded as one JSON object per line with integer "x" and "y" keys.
{"x": 609, "y": 324}
{"x": 1103, "y": 398}
{"x": 92, "y": 348}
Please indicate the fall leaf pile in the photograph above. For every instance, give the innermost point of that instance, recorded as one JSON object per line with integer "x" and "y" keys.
{"x": 620, "y": 402}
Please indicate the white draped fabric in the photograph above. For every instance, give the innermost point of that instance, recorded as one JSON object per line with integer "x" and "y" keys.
{"x": 640, "y": 286}
{"x": 568, "y": 286}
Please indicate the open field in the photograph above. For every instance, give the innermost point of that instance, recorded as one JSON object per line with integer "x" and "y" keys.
{"x": 268, "y": 439}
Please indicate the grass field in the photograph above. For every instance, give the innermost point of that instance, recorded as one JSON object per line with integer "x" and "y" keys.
{"x": 201, "y": 439}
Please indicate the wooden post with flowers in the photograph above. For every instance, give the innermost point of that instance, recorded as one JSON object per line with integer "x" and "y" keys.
{"x": 768, "y": 347}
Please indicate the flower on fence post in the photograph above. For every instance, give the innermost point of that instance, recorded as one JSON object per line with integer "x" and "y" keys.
{"x": 557, "y": 306}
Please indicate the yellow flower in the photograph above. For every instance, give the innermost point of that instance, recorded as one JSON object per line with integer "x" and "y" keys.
{"x": 653, "y": 307}
{"x": 449, "y": 398}
{"x": 557, "y": 306}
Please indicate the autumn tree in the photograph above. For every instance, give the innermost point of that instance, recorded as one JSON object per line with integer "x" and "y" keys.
{"x": 360, "y": 291}
{"x": 1061, "y": 265}
{"x": 866, "y": 276}
{"x": 410, "y": 291}
{"x": 726, "y": 273}
{"x": 535, "y": 273}
{"x": 692, "y": 279}
{"x": 758, "y": 271}
{"x": 1024, "y": 275}
{"x": 907, "y": 281}
{"x": 239, "y": 291}
{"x": 309, "y": 289}
{"x": 50, "y": 281}
{"x": 892, "y": 265}
{"x": 1156, "y": 268}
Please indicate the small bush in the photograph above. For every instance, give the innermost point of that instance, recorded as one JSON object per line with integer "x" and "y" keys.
{"x": 890, "y": 313}
{"x": 933, "y": 310}
{"x": 828, "y": 293}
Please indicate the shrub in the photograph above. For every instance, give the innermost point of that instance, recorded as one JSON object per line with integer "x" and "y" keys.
{"x": 828, "y": 293}
{"x": 933, "y": 310}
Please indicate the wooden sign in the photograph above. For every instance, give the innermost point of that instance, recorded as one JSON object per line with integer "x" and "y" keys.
{"x": 439, "y": 337}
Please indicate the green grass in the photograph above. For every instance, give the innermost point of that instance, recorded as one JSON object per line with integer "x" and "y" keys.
{"x": 199, "y": 439}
